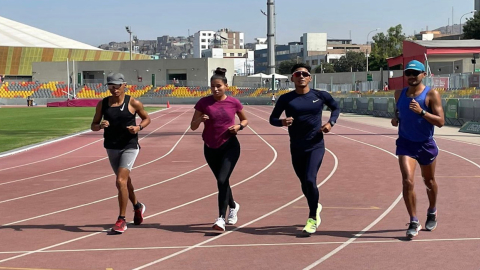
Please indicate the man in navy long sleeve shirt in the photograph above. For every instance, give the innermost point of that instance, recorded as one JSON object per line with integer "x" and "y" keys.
{"x": 303, "y": 109}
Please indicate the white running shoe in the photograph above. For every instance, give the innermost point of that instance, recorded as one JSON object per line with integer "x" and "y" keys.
{"x": 233, "y": 214}
{"x": 219, "y": 224}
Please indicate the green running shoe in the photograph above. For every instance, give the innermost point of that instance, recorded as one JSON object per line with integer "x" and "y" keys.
{"x": 311, "y": 226}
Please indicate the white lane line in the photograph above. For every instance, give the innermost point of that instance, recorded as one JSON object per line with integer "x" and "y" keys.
{"x": 439, "y": 136}
{"x": 139, "y": 166}
{"x": 85, "y": 164}
{"x": 71, "y": 151}
{"x": 366, "y": 242}
{"x": 104, "y": 199}
{"x": 239, "y": 183}
{"x": 88, "y": 235}
{"x": 349, "y": 241}
{"x": 459, "y": 156}
{"x": 383, "y": 214}
{"x": 466, "y": 159}
{"x": 246, "y": 224}
{"x": 42, "y": 160}
{"x": 52, "y": 141}
{"x": 43, "y": 144}
{"x": 355, "y": 237}
{"x": 165, "y": 211}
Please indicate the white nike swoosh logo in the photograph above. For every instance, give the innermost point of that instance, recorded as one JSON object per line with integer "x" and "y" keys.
{"x": 129, "y": 164}
{"x": 316, "y": 100}
{"x": 121, "y": 109}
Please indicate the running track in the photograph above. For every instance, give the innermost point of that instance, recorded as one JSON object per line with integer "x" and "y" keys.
{"x": 56, "y": 206}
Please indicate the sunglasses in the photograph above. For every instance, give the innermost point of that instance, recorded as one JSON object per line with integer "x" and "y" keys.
{"x": 301, "y": 73}
{"x": 114, "y": 86}
{"x": 411, "y": 72}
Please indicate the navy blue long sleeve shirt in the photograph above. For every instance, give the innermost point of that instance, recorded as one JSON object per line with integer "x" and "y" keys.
{"x": 306, "y": 110}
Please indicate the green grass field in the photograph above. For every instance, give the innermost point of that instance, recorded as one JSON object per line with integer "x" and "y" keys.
{"x": 24, "y": 126}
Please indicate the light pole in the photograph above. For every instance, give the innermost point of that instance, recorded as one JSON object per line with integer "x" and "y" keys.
{"x": 271, "y": 35}
{"x": 370, "y": 45}
{"x": 461, "y": 30}
{"x": 130, "y": 32}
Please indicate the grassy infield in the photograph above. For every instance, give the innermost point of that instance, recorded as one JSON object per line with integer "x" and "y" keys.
{"x": 24, "y": 126}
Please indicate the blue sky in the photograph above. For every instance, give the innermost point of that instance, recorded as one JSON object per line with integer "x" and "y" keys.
{"x": 102, "y": 21}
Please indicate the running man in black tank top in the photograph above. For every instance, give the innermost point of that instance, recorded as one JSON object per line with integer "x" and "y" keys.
{"x": 116, "y": 115}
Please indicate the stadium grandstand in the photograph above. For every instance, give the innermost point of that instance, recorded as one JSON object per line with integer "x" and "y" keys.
{"x": 21, "y": 45}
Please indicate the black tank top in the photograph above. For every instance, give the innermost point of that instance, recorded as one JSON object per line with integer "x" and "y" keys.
{"x": 116, "y": 134}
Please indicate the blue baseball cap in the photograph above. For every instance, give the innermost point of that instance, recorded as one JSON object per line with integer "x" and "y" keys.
{"x": 415, "y": 65}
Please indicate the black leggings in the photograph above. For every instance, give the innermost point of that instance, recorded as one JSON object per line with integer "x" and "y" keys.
{"x": 222, "y": 161}
{"x": 306, "y": 166}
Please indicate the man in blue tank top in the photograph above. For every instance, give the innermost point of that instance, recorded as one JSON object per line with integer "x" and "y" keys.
{"x": 419, "y": 109}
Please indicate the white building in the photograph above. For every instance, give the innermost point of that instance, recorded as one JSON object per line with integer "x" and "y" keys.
{"x": 201, "y": 41}
{"x": 243, "y": 59}
{"x": 260, "y": 43}
{"x": 223, "y": 38}
{"x": 314, "y": 44}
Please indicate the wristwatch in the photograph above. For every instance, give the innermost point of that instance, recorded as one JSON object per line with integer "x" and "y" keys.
{"x": 140, "y": 127}
{"x": 241, "y": 127}
{"x": 332, "y": 123}
{"x": 423, "y": 112}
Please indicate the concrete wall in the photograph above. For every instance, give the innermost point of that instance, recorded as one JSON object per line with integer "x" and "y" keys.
{"x": 351, "y": 77}
{"x": 460, "y": 63}
{"x": 198, "y": 71}
{"x": 316, "y": 42}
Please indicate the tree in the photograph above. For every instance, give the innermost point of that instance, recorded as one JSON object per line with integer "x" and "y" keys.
{"x": 471, "y": 29}
{"x": 352, "y": 61}
{"x": 285, "y": 66}
{"x": 376, "y": 62}
{"x": 327, "y": 68}
{"x": 385, "y": 46}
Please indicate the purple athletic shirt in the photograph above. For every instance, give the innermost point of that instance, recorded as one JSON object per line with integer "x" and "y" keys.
{"x": 221, "y": 116}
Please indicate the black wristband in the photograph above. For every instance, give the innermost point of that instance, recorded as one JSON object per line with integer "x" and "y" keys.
{"x": 241, "y": 127}
{"x": 140, "y": 127}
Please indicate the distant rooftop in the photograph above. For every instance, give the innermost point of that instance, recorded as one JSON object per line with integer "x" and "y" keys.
{"x": 448, "y": 43}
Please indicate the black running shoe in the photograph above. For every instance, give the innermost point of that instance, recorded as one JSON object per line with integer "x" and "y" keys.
{"x": 431, "y": 222}
{"x": 413, "y": 229}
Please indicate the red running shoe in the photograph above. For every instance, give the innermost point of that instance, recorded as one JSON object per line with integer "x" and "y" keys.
{"x": 120, "y": 226}
{"x": 138, "y": 218}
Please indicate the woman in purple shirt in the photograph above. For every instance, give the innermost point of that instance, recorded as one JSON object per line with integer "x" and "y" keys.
{"x": 221, "y": 148}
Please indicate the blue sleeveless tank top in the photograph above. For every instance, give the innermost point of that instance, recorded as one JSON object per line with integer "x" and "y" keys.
{"x": 412, "y": 126}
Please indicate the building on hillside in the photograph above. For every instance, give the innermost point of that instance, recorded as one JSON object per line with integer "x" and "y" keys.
{"x": 436, "y": 35}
